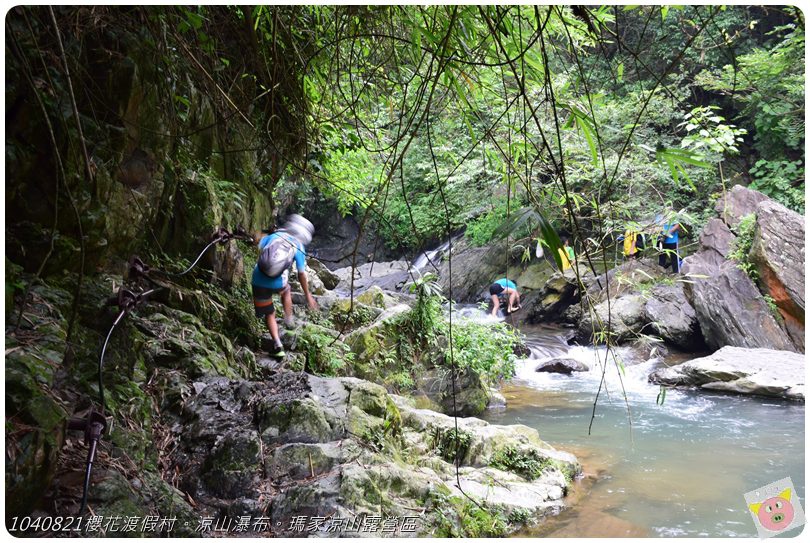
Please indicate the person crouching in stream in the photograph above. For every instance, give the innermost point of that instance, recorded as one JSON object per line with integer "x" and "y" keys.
{"x": 284, "y": 248}
{"x": 504, "y": 286}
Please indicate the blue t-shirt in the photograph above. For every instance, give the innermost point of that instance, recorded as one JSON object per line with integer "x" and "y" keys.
{"x": 506, "y": 283}
{"x": 673, "y": 237}
{"x": 261, "y": 280}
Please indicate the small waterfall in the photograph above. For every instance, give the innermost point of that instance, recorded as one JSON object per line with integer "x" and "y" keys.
{"x": 433, "y": 256}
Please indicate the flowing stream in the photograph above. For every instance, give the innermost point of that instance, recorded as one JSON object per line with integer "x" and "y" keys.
{"x": 432, "y": 256}
{"x": 681, "y": 469}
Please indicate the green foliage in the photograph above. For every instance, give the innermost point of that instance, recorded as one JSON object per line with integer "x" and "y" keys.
{"x": 459, "y": 517}
{"x": 348, "y": 176}
{"x": 772, "y": 307}
{"x": 452, "y": 444}
{"x": 325, "y": 355}
{"x": 741, "y": 247}
{"x": 487, "y": 349}
{"x": 423, "y": 320}
{"x": 482, "y": 229}
{"x": 768, "y": 83}
{"x": 519, "y": 516}
{"x": 359, "y": 316}
{"x": 706, "y": 129}
{"x": 400, "y": 380}
{"x": 782, "y": 180}
{"x": 481, "y": 522}
{"x": 525, "y": 462}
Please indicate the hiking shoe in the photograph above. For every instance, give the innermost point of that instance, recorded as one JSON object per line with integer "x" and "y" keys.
{"x": 278, "y": 353}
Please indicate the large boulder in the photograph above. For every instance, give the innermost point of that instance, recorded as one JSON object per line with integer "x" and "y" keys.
{"x": 625, "y": 316}
{"x": 778, "y": 254}
{"x": 623, "y": 279}
{"x": 716, "y": 237}
{"x": 737, "y": 203}
{"x": 468, "y": 396}
{"x": 390, "y": 452}
{"x": 729, "y": 307}
{"x": 386, "y": 275}
{"x": 762, "y": 372}
{"x": 329, "y": 279}
{"x": 535, "y": 276}
{"x": 673, "y": 318}
{"x": 474, "y": 269}
{"x": 558, "y": 294}
{"x": 336, "y": 242}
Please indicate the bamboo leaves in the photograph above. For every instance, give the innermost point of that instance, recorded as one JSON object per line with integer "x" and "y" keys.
{"x": 586, "y": 125}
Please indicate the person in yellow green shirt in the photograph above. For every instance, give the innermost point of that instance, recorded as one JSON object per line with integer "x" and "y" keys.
{"x": 566, "y": 254}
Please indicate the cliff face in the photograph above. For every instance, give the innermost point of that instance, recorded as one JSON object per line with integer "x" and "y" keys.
{"x": 149, "y": 164}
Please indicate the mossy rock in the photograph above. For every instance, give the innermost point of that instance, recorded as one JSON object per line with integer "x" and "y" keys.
{"x": 34, "y": 435}
{"x": 302, "y": 460}
{"x": 114, "y": 496}
{"x": 368, "y": 343}
{"x": 35, "y": 421}
{"x": 375, "y": 297}
{"x": 229, "y": 471}
{"x": 361, "y": 314}
{"x": 177, "y": 340}
{"x": 369, "y": 397}
{"x": 303, "y": 420}
{"x": 364, "y": 426}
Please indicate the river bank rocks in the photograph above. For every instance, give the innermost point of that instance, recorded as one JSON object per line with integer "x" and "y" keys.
{"x": 466, "y": 395}
{"x": 476, "y": 268}
{"x": 777, "y": 251}
{"x": 712, "y": 302}
{"x": 386, "y": 457}
{"x": 644, "y": 301}
{"x": 204, "y": 428}
{"x": 346, "y": 448}
{"x": 761, "y": 372}
{"x": 558, "y": 295}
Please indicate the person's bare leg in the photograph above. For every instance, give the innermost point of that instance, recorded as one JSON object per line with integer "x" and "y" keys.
{"x": 495, "y": 305}
{"x": 286, "y": 302}
{"x": 512, "y": 294}
{"x": 272, "y": 325}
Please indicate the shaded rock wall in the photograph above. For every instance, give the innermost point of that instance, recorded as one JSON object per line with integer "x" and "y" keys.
{"x": 164, "y": 173}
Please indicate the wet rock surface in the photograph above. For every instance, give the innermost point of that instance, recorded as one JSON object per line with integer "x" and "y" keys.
{"x": 561, "y": 365}
{"x": 762, "y": 372}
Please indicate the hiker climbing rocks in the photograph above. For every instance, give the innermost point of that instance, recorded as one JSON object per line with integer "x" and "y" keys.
{"x": 632, "y": 243}
{"x": 566, "y": 254}
{"x": 277, "y": 252}
{"x": 504, "y": 286}
{"x": 669, "y": 246}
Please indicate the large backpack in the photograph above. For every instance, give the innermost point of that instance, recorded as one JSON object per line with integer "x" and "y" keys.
{"x": 277, "y": 256}
{"x": 630, "y": 246}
